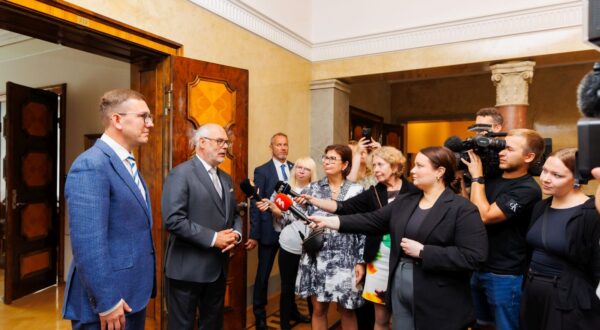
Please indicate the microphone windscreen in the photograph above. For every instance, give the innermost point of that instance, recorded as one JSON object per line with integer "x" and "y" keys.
{"x": 453, "y": 143}
{"x": 283, "y": 202}
{"x": 588, "y": 98}
{"x": 248, "y": 188}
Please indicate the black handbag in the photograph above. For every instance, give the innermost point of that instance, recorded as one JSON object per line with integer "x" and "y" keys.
{"x": 314, "y": 242}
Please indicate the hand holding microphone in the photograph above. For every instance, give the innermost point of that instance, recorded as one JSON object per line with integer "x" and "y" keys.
{"x": 284, "y": 203}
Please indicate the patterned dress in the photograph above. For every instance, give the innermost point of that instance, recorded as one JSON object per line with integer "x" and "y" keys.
{"x": 330, "y": 274}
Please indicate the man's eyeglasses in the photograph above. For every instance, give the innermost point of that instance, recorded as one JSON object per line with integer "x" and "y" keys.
{"x": 327, "y": 159}
{"x": 147, "y": 116}
{"x": 220, "y": 142}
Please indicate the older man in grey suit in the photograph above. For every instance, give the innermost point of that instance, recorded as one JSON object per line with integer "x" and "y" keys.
{"x": 199, "y": 211}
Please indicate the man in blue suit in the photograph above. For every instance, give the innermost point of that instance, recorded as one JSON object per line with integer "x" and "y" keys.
{"x": 112, "y": 276}
{"x": 262, "y": 232}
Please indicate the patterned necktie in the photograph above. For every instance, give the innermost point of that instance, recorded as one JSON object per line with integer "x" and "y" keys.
{"x": 215, "y": 181}
{"x": 136, "y": 176}
{"x": 285, "y": 177}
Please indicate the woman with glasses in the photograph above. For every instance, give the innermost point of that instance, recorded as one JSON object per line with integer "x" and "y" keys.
{"x": 333, "y": 273}
{"x": 437, "y": 240}
{"x": 303, "y": 173}
{"x": 388, "y": 166}
{"x": 565, "y": 264}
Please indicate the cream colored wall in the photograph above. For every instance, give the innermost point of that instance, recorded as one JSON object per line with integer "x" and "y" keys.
{"x": 279, "y": 98}
{"x": 373, "y": 97}
{"x": 87, "y": 77}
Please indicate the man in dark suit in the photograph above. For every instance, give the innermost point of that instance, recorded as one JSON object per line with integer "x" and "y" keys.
{"x": 112, "y": 276}
{"x": 262, "y": 232}
{"x": 199, "y": 210}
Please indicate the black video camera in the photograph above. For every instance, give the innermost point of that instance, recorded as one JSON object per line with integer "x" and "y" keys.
{"x": 588, "y": 128}
{"x": 485, "y": 146}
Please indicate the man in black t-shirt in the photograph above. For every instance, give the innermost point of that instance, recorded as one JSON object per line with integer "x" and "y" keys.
{"x": 505, "y": 205}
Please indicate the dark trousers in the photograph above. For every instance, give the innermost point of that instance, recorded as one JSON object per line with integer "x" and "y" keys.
{"x": 184, "y": 298}
{"x": 266, "y": 258}
{"x": 539, "y": 311}
{"x": 135, "y": 321}
{"x": 288, "y": 269}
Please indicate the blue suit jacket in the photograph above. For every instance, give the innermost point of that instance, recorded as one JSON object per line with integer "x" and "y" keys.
{"x": 261, "y": 223}
{"x": 110, "y": 225}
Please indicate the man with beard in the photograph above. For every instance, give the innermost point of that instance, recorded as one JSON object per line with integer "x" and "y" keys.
{"x": 505, "y": 205}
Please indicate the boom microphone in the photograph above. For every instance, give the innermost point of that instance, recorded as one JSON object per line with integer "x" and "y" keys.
{"x": 588, "y": 93}
{"x": 285, "y": 203}
{"x": 588, "y": 128}
{"x": 247, "y": 187}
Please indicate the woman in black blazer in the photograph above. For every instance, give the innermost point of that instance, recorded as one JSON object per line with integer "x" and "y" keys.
{"x": 565, "y": 264}
{"x": 388, "y": 165}
{"x": 437, "y": 240}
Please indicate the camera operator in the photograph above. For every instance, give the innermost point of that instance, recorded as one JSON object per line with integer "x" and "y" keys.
{"x": 489, "y": 116}
{"x": 505, "y": 204}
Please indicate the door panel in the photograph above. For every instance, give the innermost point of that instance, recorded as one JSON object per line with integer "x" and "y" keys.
{"x": 32, "y": 219}
{"x": 207, "y": 92}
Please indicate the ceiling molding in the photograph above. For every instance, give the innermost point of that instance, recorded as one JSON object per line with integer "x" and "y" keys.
{"x": 513, "y": 23}
{"x": 255, "y": 22}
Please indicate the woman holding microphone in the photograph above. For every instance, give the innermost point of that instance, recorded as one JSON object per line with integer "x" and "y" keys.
{"x": 333, "y": 273}
{"x": 387, "y": 164}
{"x": 437, "y": 240}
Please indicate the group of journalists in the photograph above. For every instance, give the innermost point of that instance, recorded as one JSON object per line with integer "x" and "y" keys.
{"x": 449, "y": 249}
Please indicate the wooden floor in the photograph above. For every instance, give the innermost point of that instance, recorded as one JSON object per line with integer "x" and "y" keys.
{"x": 42, "y": 311}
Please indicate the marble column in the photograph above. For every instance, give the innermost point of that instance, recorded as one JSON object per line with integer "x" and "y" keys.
{"x": 512, "y": 81}
{"x": 329, "y": 116}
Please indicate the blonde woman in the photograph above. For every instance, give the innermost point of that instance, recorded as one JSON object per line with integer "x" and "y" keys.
{"x": 303, "y": 173}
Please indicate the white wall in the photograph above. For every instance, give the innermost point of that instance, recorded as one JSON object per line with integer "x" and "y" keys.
{"x": 36, "y": 63}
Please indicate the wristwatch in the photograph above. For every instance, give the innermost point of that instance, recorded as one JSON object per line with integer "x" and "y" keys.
{"x": 478, "y": 179}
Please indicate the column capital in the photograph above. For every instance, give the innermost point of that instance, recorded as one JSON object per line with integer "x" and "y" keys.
{"x": 512, "y": 81}
{"x": 330, "y": 83}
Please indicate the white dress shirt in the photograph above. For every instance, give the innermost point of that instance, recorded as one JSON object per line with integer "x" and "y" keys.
{"x": 208, "y": 167}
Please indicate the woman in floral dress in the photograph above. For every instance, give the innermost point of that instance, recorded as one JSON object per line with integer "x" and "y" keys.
{"x": 333, "y": 274}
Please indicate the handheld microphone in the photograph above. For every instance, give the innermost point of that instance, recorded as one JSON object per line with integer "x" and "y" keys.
{"x": 285, "y": 203}
{"x": 247, "y": 187}
{"x": 285, "y": 188}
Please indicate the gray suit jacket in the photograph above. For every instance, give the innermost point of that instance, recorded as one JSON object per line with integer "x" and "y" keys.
{"x": 193, "y": 212}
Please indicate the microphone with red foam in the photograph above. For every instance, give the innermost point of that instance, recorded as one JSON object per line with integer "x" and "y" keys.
{"x": 285, "y": 203}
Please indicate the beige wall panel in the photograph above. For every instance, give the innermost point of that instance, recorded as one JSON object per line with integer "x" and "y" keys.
{"x": 279, "y": 98}
{"x": 373, "y": 97}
